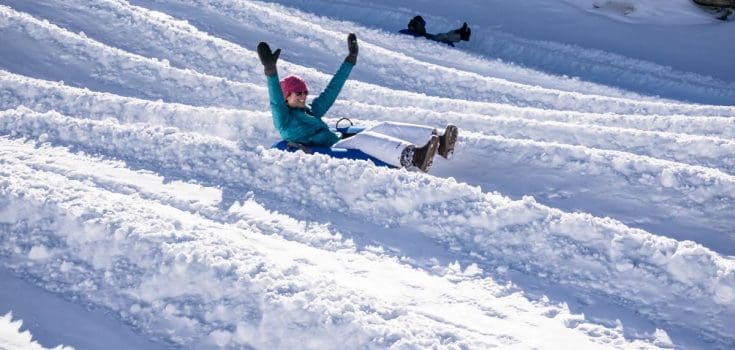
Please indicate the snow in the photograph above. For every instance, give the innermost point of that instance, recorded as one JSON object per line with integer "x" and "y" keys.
{"x": 646, "y": 12}
{"x": 590, "y": 202}
{"x": 12, "y": 338}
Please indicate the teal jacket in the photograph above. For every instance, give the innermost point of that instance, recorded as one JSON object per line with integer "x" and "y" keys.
{"x": 305, "y": 125}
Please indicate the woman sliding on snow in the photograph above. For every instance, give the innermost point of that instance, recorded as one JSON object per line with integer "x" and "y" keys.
{"x": 389, "y": 142}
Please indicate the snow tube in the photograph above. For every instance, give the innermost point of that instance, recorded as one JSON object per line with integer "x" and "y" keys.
{"x": 334, "y": 152}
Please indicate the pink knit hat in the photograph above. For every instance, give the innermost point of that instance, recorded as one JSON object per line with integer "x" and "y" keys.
{"x": 293, "y": 83}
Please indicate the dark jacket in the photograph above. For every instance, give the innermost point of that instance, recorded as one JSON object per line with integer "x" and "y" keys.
{"x": 442, "y": 37}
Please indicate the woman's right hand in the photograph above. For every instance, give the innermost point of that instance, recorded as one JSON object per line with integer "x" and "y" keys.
{"x": 268, "y": 58}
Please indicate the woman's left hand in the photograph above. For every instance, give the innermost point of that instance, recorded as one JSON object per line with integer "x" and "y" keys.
{"x": 352, "y": 46}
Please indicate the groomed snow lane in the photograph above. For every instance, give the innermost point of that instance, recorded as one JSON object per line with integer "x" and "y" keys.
{"x": 606, "y": 256}
{"x": 218, "y": 90}
{"x": 166, "y": 267}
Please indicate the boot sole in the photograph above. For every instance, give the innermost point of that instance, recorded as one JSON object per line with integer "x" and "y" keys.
{"x": 450, "y": 136}
{"x": 430, "y": 153}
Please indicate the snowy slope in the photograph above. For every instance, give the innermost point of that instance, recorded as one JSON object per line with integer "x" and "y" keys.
{"x": 136, "y": 180}
{"x": 668, "y": 48}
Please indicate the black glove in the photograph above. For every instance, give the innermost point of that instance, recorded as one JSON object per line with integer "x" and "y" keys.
{"x": 352, "y": 46}
{"x": 268, "y": 58}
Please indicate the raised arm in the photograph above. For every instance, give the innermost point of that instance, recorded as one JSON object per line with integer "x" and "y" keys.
{"x": 279, "y": 109}
{"x": 321, "y": 104}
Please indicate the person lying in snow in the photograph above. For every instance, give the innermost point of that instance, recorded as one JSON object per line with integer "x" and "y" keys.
{"x": 417, "y": 27}
{"x": 390, "y": 142}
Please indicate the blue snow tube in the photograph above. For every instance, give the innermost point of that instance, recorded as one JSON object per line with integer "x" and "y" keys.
{"x": 334, "y": 152}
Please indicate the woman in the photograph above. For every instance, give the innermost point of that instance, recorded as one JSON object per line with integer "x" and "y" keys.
{"x": 392, "y": 143}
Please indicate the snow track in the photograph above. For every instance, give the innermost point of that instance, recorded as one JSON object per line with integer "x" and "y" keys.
{"x": 692, "y": 149}
{"x": 705, "y": 194}
{"x": 209, "y": 238}
{"x": 43, "y": 96}
{"x": 493, "y": 41}
{"x": 103, "y": 68}
{"x": 608, "y": 257}
{"x": 412, "y": 75}
{"x": 462, "y": 83}
{"x": 172, "y": 266}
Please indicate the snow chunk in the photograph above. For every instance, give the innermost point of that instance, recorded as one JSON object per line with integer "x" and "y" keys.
{"x": 66, "y": 267}
{"x": 691, "y": 264}
{"x": 220, "y": 338}
{"x": 668, "y": 178}
{"x": 662, "y": 339}
{"x": 43, "y": 137}
{"x": 724, "y": 295}
{"x": 39, "y": 253}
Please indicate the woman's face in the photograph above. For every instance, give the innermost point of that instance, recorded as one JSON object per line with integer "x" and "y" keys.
{"x": 297, "y": 99}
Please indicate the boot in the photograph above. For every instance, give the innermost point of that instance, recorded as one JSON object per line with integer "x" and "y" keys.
{"x": 423, "y": 157}
{"x": 447, "y": 141}
{"x": 464, "y": 32}
{"x": 453, "y": 36}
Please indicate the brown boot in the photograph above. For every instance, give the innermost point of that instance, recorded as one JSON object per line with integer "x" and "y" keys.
{"x": 423, "y": 157}
{"x": 447, "y": 141}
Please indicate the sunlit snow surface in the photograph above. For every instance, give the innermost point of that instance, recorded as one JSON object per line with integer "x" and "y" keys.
{"x": 590, "y": 202}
